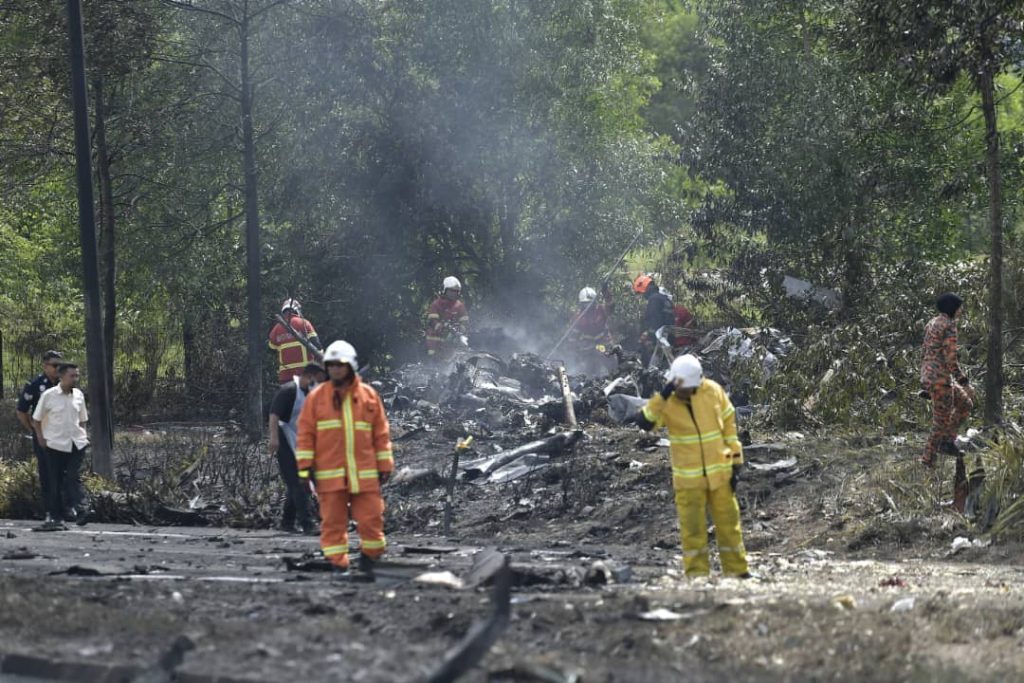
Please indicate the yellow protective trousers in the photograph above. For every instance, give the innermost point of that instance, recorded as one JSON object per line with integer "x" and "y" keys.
{"x": 692, "y": 505}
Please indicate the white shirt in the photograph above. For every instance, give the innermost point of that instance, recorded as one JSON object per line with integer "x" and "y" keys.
{"x": 62, "y": 416}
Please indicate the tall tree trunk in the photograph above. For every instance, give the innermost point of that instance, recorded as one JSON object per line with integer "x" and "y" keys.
{"x": 252, "y": 242}
{"x": 107, "y": 253}
{"x": 188, "y": 344}
{"x": 994, "y": 368}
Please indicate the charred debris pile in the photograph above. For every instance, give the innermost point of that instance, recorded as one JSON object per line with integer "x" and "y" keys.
{"x": 479, "y": 442}
{"x": 490, "y": 444}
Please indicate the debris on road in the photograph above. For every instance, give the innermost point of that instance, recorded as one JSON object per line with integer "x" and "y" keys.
{"x": 482, "y": 635}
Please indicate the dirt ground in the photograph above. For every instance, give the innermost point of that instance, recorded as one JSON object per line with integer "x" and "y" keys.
{"x": 851, "y": 585}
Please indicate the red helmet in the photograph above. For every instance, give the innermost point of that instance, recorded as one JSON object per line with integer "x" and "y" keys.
{"x": 642, "y": 282}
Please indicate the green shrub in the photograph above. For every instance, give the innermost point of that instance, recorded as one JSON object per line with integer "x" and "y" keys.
{"x": 1004, "y": 489}
{"x": 20, "y": 497}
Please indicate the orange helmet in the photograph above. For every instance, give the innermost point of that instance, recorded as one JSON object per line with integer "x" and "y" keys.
{"x": 642, "y": 282}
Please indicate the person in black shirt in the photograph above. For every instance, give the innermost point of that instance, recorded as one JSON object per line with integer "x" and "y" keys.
{"x": 659, "y": 311}
{"x": 27, "y": 401}
{"x": 284, "y": 420}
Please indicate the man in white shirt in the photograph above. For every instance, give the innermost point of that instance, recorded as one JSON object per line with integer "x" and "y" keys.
{"x": 59, "y": 422}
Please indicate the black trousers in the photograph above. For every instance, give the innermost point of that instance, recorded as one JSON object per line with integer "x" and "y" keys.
{"x": 296, "y": 500}
{"x": 66, "y": 489}
{"x": 43, "y": 469}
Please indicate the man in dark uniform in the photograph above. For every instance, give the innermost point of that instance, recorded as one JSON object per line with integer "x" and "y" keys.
{"x": 284, "y": 419}
{"x": 27, "y": 401}
{"x": 657, "y": 314}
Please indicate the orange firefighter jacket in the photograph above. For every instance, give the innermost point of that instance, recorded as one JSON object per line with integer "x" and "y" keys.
{"x": 344, "y": 438}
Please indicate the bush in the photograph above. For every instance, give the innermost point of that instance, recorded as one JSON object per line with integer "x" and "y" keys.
{"x": 1004, "y": 489}
{"x": 860, "y": 369}
{"x": 20, "y": 496}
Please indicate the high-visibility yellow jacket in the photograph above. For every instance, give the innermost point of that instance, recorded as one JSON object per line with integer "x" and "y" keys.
{"x": 702, "y": 432}
{"x": 344, "y": 438}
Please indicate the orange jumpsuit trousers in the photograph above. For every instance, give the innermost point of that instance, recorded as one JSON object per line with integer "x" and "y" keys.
{"x": 367, "y": 509}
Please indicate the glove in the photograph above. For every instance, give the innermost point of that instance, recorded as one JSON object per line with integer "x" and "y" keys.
{"x": 383, "y": 476}
{"x": 735, "y": 478}
{"x": 667, "y": 390}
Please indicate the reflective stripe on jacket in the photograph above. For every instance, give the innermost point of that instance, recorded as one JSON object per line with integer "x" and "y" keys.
{"x": 292, "y": 356}
{"x": 702, "y": 433}
{"x": 344, "y": 438}
{"x": 442, "y": 316}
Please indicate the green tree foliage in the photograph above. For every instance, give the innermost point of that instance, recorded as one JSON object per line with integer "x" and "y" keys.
{"x": 501, "y": 143}
{"x": 837, "y": 168}
{"x": 932, "y": 44}
{"x": 397, "y": 142}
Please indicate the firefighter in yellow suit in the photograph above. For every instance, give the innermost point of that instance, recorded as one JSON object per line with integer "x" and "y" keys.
{"x": 706, "y": 458}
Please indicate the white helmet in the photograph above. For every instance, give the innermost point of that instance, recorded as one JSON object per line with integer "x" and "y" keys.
{"x": 686, "y": 368}
{"x": 587, "y": 294}
{"x": 291, "y": 304}
{"x": 452, "y": 282}
{"x": 341, "y": 352}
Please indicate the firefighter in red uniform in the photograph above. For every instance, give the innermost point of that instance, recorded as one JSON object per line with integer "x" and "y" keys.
{"x": 590, "y": 333}
{"x": 683, "y": 319}
{"x": 447, "y": 320}
{"x": 292, "y": 355}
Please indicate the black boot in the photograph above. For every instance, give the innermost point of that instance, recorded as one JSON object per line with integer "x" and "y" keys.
{"x": 288, "y": 526}
{"x": 366, "y": 566}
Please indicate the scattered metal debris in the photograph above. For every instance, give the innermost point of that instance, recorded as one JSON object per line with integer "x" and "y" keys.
{"x": 663, "y": 614}
{"x": 464, "y": 656}
{"x": 445, "y": 578}
{"x": 553, "y": 445}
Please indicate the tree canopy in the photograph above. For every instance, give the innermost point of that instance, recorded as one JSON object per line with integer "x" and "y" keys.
{"x": 517, "y": 144}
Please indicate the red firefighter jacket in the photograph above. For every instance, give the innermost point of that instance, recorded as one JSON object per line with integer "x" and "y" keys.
{"x": 292, "y": 356}
{"x": 445, "y": 319}
{"x": 592, "y": 326}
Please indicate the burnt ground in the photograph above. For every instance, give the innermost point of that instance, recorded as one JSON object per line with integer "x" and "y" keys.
{"x": 851, "y": 542}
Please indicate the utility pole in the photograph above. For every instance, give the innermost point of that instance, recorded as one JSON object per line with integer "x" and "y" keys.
{"x": 100, "y": 417}
{"x": 254, "y": 330}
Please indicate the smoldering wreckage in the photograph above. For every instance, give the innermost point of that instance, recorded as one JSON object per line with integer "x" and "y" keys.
{"x": 483, "y": 422}
{"x": 518, "y": 487}
{"x": 493, "y": 401}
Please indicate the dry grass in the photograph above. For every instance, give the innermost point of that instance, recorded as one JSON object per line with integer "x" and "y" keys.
{"x": 207, "y": 470}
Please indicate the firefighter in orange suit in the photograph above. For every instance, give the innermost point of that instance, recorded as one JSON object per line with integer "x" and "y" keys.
{"x": 292, "y": 355}
{"x": 344, "y": 443}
